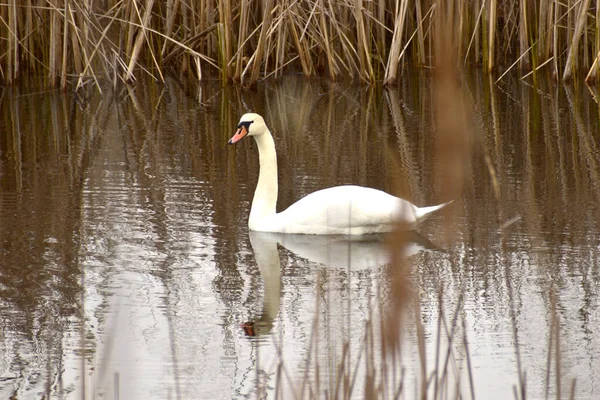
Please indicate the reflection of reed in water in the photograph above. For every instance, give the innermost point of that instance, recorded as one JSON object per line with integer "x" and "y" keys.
{"x": 47, "y": 146}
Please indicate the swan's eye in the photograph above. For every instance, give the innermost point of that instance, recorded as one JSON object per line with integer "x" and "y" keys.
{"x": 245, "y": 124}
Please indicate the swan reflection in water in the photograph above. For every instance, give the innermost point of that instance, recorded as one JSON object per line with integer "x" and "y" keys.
{"x": 339, "y": 252}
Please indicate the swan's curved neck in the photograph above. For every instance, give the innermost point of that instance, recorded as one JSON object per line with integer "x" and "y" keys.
{"x": 265, "y": 195}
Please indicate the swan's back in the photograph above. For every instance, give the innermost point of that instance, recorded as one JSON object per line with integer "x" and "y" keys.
{"x": 347, "y": 210}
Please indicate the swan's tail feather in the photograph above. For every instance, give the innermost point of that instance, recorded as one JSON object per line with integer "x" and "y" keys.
{"x": 423, "y": 212}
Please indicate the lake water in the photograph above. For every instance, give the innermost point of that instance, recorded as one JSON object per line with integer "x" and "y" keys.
{"x": 127, "y": 269}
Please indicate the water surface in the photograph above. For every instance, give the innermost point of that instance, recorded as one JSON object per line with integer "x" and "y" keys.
{"x": 127, "y": 268}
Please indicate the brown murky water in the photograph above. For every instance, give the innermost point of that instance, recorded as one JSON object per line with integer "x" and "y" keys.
{"x": 127, "y": 269}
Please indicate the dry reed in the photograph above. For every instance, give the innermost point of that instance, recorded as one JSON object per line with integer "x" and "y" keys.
{"x": 239, "y": 40}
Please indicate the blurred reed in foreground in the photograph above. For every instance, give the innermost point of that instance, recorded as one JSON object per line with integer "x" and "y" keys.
{"x": 72, "y": 42}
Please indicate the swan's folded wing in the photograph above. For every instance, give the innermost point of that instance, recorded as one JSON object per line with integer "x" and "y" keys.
{"x": 345, "y": 210}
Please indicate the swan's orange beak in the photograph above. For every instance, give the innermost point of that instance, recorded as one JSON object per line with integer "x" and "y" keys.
{"x": 239, "y": 135}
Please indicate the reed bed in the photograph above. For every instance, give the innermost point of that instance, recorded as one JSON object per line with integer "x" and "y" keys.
{"x": 81, "y": 42}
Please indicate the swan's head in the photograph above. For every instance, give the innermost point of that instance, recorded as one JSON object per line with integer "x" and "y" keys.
{"x": 251, "y": 124}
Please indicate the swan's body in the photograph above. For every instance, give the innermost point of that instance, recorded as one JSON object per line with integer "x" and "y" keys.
{"x": 340, "y": 210}
{"x": 345, "y": 210}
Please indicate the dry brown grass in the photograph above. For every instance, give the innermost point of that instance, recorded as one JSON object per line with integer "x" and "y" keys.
{"x": 241, "y": 40}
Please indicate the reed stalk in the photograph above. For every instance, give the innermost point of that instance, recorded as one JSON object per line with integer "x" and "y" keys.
{"x": 594, "y": 69}
{"x": 76, "y": 47}
{"x": 555, "y": 38}
{"x": 420, "y": 35}
{"x": 524, "y": 61}
{"x": 324, "y": 31}
{"x": 55, "y": 23}
{"x": 73, "y": 42}
{"x": 141, "y": 37}
{"x": 571, "y": 63}
{"x": 280, "y": 50}
{"x": 29, "y": 43}
{"x": 226, "y": 24}
{"x": 13, "y": 48}
{"x": 243, "y": 28}
{"x": 172, "y": 10}
{"x": 364, "y": 52}
{"x": 63, "y": 74}
{"x": 381, "y": 30}
{"x": 491, "y": 35}
{"x": 593, "y": 72}
{"x": 543, "y": 22}
{"x": 259, "y": 54}
{"x": 301, "y": 47}
{"x": 391, "y": 72}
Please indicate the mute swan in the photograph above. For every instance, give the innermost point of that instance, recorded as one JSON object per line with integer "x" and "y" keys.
{"x": 340, "y": 210}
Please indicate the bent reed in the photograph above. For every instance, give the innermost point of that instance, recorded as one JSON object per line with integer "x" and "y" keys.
{"x": 73, "y": 42}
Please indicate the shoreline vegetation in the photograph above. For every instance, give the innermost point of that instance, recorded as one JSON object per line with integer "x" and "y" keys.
{"x": 81, "y": 43}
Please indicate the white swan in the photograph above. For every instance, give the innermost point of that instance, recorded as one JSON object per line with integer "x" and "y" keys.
{"x": 345, "y": 210}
